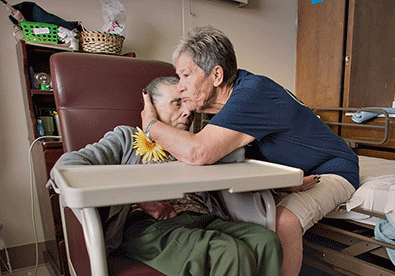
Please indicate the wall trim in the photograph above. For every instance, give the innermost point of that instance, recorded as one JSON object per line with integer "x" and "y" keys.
{"x": 23, "y": 256}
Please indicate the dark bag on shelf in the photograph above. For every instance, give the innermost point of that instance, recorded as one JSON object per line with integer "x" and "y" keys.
{"x": 34, "y": 13}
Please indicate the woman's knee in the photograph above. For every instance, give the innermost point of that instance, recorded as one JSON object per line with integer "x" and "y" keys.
{"x": 271, "y": 244}
{"x": 237, "y": 250}
{"x": 263, "y": 237}
{"x": 286, "y": 220}
{"x": 264, "y": 242}
{"x": 232, "y": 257}
{"x": 268, "y": 250}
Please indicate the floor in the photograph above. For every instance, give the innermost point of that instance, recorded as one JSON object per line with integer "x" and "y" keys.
{"x": 46, "y": 270}
{"x": 42, "y": 270}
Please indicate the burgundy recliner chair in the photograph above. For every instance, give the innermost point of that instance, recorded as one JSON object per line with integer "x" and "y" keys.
{"x": 95, "y": 93}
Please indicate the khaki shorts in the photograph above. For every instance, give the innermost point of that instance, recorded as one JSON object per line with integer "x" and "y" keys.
{"x": 312, "y": 205}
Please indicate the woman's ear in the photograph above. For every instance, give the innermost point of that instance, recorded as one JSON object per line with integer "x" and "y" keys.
{"x": 218, "y": 74}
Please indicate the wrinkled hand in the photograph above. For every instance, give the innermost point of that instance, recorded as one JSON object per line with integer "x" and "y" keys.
{"x": 149, "y": 113}
{"x": 308, "y": 183}
{"x": 158, "y": 209}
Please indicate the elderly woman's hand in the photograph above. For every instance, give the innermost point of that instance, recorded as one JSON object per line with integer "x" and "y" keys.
{"x": 158, "y": 209}
{"x": 149, "y": 113}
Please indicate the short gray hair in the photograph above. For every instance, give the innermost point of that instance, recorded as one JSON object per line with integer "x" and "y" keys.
{"x": 209, "y": 47}
{"x": 153, "y": 88}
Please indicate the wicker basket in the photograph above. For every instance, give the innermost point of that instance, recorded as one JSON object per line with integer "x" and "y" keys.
{"x": 99, "y": 42}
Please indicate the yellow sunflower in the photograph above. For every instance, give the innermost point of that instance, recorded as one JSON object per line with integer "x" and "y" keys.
{"x": 149, "y": 150}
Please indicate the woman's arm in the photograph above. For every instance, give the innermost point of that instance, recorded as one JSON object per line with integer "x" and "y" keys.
{"x": 114, "y": 148}
{"x": 205, "y": 147}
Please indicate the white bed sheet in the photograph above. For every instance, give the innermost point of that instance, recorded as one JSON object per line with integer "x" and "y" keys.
{"x": 375, "y": 194}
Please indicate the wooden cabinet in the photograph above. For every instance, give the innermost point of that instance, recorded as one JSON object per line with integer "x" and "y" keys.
{"x": 346, "y": 57}
{"x": 346, "y": 53}
{"x": 32, "y": 60}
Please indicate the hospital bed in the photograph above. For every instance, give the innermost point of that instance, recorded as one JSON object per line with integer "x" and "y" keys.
{"x": 344, "y": 242}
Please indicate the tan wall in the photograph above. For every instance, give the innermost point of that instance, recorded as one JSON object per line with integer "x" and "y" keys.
{"x": 263, "y": 33}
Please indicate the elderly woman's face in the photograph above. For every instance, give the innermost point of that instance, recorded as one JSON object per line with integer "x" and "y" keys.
{"x": 171, "y": 110}
{"x": 195, "y": 87}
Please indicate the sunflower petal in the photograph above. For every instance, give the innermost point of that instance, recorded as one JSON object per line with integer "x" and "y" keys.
{"x": 149, "y": 150}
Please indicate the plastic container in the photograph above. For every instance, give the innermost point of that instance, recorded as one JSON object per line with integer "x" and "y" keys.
{"x": 39, "y": 32}
{"x": 57, "y": 123}
{"x": 40, "y": 128}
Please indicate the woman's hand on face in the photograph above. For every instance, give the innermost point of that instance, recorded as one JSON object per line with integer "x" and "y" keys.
{"x": 149, "y": 113}
{"x": 158, "y": 209}
{"x": 308, "y": 183}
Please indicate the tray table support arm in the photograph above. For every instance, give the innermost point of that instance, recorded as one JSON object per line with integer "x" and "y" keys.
{"x": 270, "y": 207}
{"x": 94, "y": 239}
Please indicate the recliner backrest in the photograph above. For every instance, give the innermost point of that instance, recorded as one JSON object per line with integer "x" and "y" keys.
{"x": 95, "y": 93}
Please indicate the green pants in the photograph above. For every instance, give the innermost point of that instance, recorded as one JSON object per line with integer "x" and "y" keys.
{"x": 175, "y": 247}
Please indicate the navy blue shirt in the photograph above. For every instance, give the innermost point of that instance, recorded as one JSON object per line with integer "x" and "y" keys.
{"x": 285, "y": 130}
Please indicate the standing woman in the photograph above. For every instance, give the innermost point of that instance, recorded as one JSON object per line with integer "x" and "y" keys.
{"x": 269, "y": 121}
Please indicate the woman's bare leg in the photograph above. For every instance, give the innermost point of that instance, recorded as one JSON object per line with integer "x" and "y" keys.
{"x": 290, "y": 233}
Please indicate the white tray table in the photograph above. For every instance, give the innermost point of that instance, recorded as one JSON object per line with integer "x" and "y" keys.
{"x": 83, "y": 188}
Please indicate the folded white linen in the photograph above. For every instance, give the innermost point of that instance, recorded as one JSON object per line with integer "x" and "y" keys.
{"x": 390, "y": 204}
{"x": 366, "y": 196}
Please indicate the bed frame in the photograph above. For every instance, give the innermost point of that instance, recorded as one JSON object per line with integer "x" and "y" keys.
{"x": 348, "y": 247}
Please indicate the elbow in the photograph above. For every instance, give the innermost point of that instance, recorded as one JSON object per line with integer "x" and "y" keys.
{"x": 198, "y": 157}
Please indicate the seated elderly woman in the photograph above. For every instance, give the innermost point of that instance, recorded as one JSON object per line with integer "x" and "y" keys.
{"x": 188, "y": 236}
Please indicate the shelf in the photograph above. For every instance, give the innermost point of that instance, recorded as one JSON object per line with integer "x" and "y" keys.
{"x": 35, "y": 58}
{"x": 41, "y": 92}
{"x": 64, "y": 47}
{"x": 51, "y": 142}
